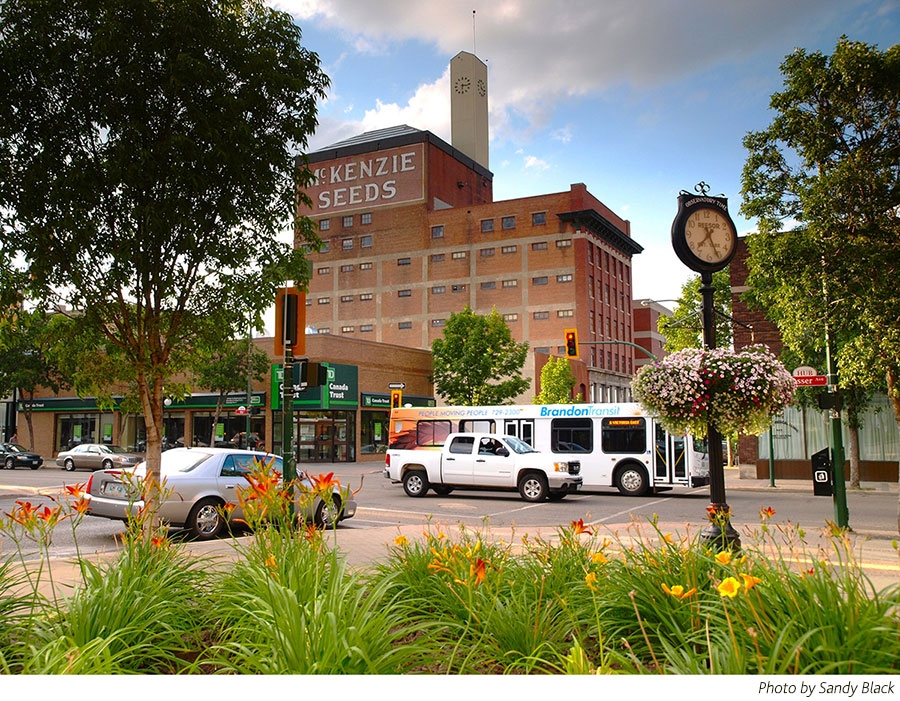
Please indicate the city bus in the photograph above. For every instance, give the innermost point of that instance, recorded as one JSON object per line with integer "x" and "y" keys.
{"x": 619, "y": 445}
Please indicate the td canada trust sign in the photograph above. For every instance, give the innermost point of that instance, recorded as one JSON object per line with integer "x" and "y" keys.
{"x": 389, "y": 177}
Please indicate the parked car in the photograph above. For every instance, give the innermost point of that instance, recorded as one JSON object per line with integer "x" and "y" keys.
{"x": 198, "y": 483}
{"x": 13, "y": 455}
{"x": 97, "y": 456}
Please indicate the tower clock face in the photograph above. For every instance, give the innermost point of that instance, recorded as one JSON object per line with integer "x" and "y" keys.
{"x": 462, "y": 85}
{"x": 710, "y": 235}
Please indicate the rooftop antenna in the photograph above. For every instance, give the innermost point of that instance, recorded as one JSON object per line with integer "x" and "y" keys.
{"x": 474, "y": 51}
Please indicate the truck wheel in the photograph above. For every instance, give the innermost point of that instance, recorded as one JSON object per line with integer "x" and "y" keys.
{"x": 442, "y": 489}
{"x": 632, "y": 481}
{"x": 557, "y": 496}
{"x": 415, "y": 483}
{"x": 533, "y": 486}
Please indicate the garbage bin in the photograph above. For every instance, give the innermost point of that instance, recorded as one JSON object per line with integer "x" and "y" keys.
{"x": 821, "y": 472}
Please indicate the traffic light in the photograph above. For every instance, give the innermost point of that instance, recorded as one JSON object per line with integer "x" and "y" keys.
{"x": 396, "y": 398}
{"x": 571, "y": 343}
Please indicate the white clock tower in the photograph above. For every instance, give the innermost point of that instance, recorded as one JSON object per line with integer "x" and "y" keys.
{"x": 469, "y": 107}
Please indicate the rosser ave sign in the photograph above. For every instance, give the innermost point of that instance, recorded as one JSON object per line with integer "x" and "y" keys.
{"x": 806, "y": 376}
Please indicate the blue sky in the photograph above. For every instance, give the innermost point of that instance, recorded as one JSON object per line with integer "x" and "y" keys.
{"x": 637, "y": 99}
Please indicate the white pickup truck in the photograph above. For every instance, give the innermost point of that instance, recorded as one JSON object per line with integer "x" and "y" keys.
{"x": 483, "y": 461}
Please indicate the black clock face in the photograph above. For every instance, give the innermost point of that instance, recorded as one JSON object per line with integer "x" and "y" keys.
{"x": 462, "y": 85}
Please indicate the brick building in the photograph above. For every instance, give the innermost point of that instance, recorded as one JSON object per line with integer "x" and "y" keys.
{"x": 412, "y": 234}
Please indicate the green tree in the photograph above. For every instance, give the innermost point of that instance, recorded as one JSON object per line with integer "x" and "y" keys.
{"x": 27, "y": 361}
{"x": 557, "y": 381}
{"x": 477, "y": 362}
{"x": 823, "y": 182}
{"x": 684, "y": 329}
{"x": 227, "y": 368}
{"x": 148, "y": 164}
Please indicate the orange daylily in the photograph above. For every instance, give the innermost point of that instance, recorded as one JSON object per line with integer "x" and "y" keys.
{"x": 591, "y": 581}
{"x": 678, "y": 591}
{"x": 479, "y": 570}
{"x": 749, "y": 580}
{"x": 324, "y": 482}
{"x": 401, "y": 541}
{"x": 75, "y": 490}
{"x": 578, "y": 527}
{"x": 729, "y": 587}
{"x": 767, "y": 512}
{"x": 724, "y": 557}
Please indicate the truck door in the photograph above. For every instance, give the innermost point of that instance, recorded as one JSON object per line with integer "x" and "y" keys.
{"x": 457, "y": 461}
{"x": 493, "y": 463}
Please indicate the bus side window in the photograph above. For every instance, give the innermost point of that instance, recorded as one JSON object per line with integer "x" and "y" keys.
{"x": 572, "y": 435}
{"x": 432, "y": 432}
{"x": 624, "y": 435}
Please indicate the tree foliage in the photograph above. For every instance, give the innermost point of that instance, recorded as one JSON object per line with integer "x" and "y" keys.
{"x": 823, "y": 180}
{"x": 477, "y": 362}
{"x": 148, "y": 164}
{"x": 557, "y": 381}
{"x": 684, "y": 329}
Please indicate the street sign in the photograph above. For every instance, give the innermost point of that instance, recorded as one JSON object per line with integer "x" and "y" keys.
{"x": 804, "y": 371}
{"x": 811, "y": 380}
{"x": 241, "y": 410}
{"x": 397, "y": 385}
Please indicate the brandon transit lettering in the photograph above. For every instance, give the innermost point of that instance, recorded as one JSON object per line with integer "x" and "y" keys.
{"x": 388, "y": 177}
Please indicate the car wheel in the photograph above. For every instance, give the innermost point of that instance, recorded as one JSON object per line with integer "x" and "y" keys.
{"x": 205, "y": 520}
{"x": 10, "y": 464}
{"x": 106, "y": 465}
{"x": 556, "y": 496}
{"x": 327, "y": 515}
{"x": 415, "y": 483}
{"x": 69, "y": 464}
{"x": 632, "y": 481}
{"x": 35, "y": 467}
{"x": 443, "y": 490}
{"x": 533, "y": 487}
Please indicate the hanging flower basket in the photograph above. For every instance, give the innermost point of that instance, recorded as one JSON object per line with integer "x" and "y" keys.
{"x": 737, "y": 392}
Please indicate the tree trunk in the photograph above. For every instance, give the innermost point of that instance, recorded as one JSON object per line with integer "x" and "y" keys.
{"x": 154, "y": 413}
{"x": 853, "y": 455}
{"x": 212, "y": 431}
{"x": 893, "y": 384}
{"x": 29, "y": 419}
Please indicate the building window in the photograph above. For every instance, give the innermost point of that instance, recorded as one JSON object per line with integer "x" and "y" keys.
{"x": 510, "y": 317}
{"x": 438, "y": 290}
{"x": 437, "y": 232}
{"x": 459, "y": 288}
{"x": 510, "y": 283}
{"x": 509, "y": 249}
{"x": 438, "y": 322}
{"x": 365, "y": 266}
{"x": 487, "y": 225}
{"x": 365, "y": 297}
{"x": 324, "y": 300}
{"x": 324, "y": 224}
{"x": 564, "y": 243}
{"x": 365, "y": 218}
{"x": 347, "y": 221}
{"x": 404, "y": 261}
{"x": 486, "y": 252}
{"x": 366, "y": 328}
{"x": 365, "y": 241}
{"x": 565, "y": 313}
{"x": 539, "y": 280}
{"x": 326, "y": 246}
{"x": 405, "y": 325}
{"x": 346, "y": 329}
{"x": 508, "y": 222}
{"x": 458, "y": 254}
{"x": 347, "y": 244}
{"x": 404, "y": 293}
{"x": 564, "y": 278}
{"x": 324, "y": 271}
{"x": 541, "y": 315}
{"x": 347, "y": 298}
{"x": 325, "y": 330}
{"x": 539, "y": 246}
{"x": 437, "y": 258}
{"x": 488, "y": 285}
{"x": 539, "y": 219}
{"x": 346, "y": 268}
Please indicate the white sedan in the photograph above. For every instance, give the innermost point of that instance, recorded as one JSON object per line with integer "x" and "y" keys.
{"x": 198, "y": 482}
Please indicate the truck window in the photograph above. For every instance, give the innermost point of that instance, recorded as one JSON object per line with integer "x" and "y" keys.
{"x": 462, "y": 444}
{"x": 624, "y": 435}
{"x": 572, "y": 435}
{"x": 433, "y": 432}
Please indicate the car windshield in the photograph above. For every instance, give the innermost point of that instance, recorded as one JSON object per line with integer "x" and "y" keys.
{"x": 183, "y": 460}
{"x": 517, "y": 445}
{"x": 15, "y": 448}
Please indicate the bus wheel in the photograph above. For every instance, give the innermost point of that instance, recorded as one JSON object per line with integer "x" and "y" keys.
{"x": 632, "y": 481}
{"x": 415, "y": 483}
